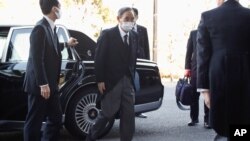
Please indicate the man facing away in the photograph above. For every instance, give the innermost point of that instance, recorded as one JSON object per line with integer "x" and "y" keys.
{"x": 191, "y": 71}
{"x": 223, "y": 65}
{"x": 42, "y": 76}
{"x": 115, "y": 62}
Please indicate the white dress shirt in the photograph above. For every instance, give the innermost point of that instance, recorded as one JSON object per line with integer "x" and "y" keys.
{"x": 51, "y": 23}
{"x": 122, "y": 33}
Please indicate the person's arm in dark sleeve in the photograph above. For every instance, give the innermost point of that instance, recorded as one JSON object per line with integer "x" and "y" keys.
{"x": 147, "y": 52}
{"x": 188, "y": 58}
{"x": 100, "y": 56}
{"x": 189, "y": 52}
{"x": 37, "y": 51}
{"x": 203, "y": 55}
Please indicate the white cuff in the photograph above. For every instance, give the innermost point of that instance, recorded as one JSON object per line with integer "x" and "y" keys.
{"x": 202, "y": 90}
{"x": 43, "y": 85}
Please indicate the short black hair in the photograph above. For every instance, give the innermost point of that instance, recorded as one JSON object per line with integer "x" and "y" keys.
{"x": 135, "y": 11}
{"x": 123, "y": 10}
{"x": 46, "y": 5}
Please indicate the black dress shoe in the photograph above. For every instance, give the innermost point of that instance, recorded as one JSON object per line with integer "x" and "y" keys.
{"x": 220, "y": 138}
{"x": 206, "y": 125}
{"x": 88, "y": 137}
{"x": 193, "y": 123}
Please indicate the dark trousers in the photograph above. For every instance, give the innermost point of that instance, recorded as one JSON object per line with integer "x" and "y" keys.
{"x": 40, "y": 109}
{"x": 120, "y": 98}
{"x": 194, "y": 107}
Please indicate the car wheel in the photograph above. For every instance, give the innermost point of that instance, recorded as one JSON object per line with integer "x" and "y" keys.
{"x": 82, "y": 113}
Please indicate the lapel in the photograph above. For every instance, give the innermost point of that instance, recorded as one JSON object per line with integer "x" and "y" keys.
{"x": 120, "y": 42}
{"x": 140, "y": 33}
{"x": 138, "y": 29}
{"x": 133, "y": 44}
{"x": 53, "y": 41}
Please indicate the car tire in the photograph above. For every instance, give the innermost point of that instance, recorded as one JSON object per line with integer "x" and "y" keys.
{"x": 81, "y": 113}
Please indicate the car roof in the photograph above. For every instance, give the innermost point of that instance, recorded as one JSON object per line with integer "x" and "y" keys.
{"x": 4, "y": 29}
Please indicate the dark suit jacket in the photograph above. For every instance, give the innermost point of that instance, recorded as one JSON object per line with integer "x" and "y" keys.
{"x": 223, "y": 47}
{"x": 143, "y": 50}
{"x": 190, "y": 61}
{"x": 110, "y": 57}
{"x": 44, "y": 62}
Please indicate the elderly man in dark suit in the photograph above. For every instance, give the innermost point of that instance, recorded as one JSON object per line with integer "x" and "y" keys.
{"x": 115, "y": 62}
{"x": 223, "y": 66}
{"x": 42, "y": 76}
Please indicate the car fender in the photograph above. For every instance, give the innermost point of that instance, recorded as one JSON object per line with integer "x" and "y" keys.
{"x": 87, "y": 81}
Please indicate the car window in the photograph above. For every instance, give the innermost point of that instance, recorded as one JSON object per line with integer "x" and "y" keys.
{"x": 85, "y": 47}
{"x": 2, "y": 43}
{"x": 19, "y": 45}
{"x": 18, "y": 49}
{"x": 63, "y": 38}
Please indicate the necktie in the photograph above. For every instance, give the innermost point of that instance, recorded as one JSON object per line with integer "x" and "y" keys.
{"x": 126, "y": 41}
{"x": 55, "y": 36}
{"x": 55, "y": 39}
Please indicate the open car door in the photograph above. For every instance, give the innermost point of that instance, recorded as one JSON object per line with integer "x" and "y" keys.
{"x": 86, "y": 47}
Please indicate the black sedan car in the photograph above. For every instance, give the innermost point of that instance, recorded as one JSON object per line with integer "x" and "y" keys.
{"x": 78, "y": 88}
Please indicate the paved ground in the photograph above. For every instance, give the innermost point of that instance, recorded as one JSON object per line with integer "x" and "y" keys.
{"x": 166, "y": 124}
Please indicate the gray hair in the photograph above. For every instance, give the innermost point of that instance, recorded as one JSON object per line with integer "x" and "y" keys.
{"x": 123, "y": 10}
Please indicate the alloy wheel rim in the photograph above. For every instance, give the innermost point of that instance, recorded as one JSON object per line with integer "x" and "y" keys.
{"x": 86, "y": 112}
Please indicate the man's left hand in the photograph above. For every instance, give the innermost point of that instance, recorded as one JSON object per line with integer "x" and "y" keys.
{"x": 206, "y": 95}
{"x": 72, "y": 42}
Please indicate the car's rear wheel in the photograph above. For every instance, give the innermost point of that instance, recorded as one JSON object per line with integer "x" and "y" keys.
{"x": 82, "y": 113}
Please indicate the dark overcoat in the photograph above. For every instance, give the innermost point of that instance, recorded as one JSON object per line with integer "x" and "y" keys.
{"x": 223, "y": 47}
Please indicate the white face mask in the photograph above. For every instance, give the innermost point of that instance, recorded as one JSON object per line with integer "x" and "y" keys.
{"x": 58, "y": 13}
{"x": 127, "y": 26}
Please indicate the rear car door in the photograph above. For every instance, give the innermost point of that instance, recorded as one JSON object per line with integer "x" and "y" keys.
{"x": 15, "y": 52}
{"x": 13, "y": 100}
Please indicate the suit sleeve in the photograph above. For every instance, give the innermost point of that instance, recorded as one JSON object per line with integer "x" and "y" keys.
{"x": 100, "y": 56}
{"x": 147, "y": 52}
{"x": 62, "y": 46}
{"x": 189, "y": 52}
{"x": 203, "y": 55}
{"x": 37, "y": 52}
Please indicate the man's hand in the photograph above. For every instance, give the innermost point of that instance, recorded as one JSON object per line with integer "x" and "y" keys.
{"x": 101, "y": 87}
{"x": 187, "y": 73}
{"x": 72, "y": 42}
{"x": 206, "y": 95}
{"x": 45, "y": 91}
